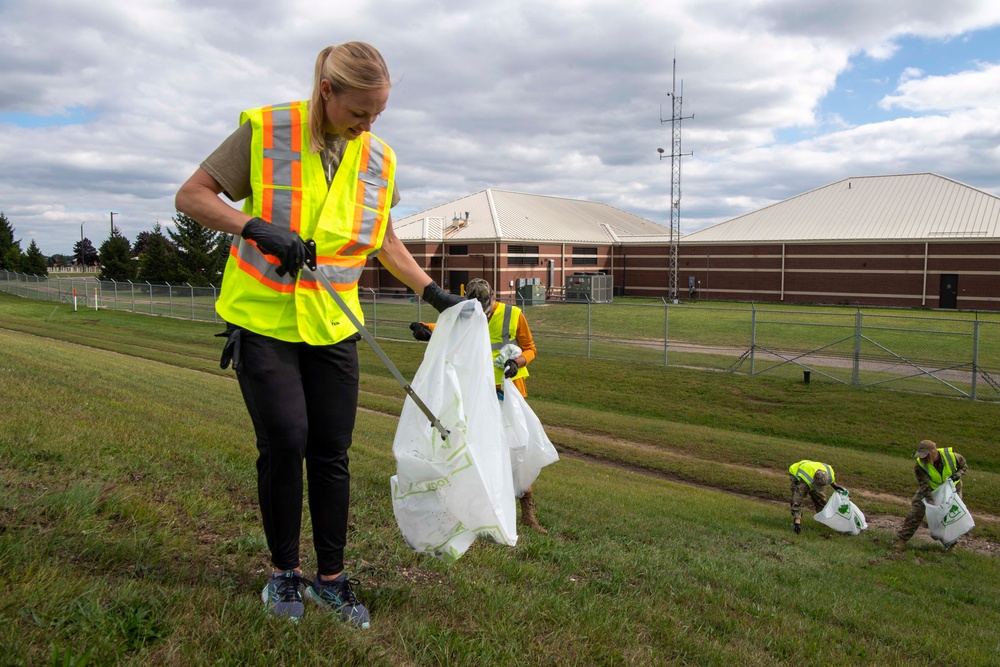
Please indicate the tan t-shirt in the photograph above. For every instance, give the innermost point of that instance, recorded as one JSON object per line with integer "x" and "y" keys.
{"x": 229, "y": 164}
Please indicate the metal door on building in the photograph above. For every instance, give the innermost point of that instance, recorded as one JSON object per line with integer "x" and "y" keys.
{"x": 949, "y": 291}
{"x": 456, "y": 281}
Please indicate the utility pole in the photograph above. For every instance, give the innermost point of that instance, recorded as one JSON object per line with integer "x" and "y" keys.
{"x": 675, "y": 178}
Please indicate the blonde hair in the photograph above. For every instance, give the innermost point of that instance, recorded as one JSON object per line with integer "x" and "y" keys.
{"x": 348, "y": 66}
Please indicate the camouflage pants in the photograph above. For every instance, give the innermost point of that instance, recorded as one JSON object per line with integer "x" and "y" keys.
{"x": 799, "y": 492}
{"x": 916, "y": 515}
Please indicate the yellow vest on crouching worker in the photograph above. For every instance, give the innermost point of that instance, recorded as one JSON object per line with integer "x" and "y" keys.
{"x": 347, "y": 220}
{"x": 806, "y": 471}
{"x": 947, "y": 470}
{"x": 503, "y": 330}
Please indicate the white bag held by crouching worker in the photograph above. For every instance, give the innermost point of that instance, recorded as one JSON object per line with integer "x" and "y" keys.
{"x": 530, "y": 449}
{"x": 446, "y": 492}
{"x": 841, "y": 514}
{"x": 948, "y": 518}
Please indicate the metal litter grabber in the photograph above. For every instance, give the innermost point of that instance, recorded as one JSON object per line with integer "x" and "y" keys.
{"x": 318, "y": 276}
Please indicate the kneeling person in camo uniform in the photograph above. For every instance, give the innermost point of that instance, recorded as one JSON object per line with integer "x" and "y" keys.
{"x": 934, "y": 465}
{"x": 809, "y": 478}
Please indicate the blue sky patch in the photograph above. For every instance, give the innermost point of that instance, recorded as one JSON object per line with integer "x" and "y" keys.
{"x": 71, "y": 116}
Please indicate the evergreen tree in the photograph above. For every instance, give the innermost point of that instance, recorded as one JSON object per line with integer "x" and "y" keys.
{"x": 11, "y": 256}
{"x": 116, "y": 259}
{"x": 158, "y": 264}
{"x": 139, "y": 247}
{"x": 34, "y": 261}
{"x": 197, "y": 251}
{"x": 85, "y": 249}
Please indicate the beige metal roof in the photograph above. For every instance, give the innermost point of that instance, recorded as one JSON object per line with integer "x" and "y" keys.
{"x": 875, "y": 208}
{"x": 492, "y": 215}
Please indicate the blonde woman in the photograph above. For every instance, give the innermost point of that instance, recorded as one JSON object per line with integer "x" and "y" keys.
{"x": 309, "y": 169}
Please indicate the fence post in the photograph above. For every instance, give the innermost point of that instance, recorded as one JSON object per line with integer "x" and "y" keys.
{"x": 150, "y": 297}
{"x": 856, "y": 376}
{"x": 170, "y": 297}
{"x": 132, "y": 289}
{"x": 192, "y": 300}
{"x": 753, "y": 337}
{"x": 215, "y": 297}
{"x": 588, "y": 325}
{"x": 666, "y": 329}
{"x": 975, "y": 355}
{"x": 115, "y": 283}
{"x": 374, "y": 312}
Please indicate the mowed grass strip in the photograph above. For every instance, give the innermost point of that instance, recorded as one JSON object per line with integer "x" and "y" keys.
{"x": 129, "y": 533}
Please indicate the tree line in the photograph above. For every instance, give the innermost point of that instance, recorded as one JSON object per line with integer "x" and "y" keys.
{"x": 190, "y": 253}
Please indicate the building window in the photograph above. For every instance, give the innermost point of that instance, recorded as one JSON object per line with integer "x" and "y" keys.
{"x": 584, "y": 256}
{"x": 522, "y": 255}
{"x": 458, "y": 250}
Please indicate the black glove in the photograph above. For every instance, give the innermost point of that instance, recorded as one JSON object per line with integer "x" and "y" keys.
{"x": 798, "y": 528}
{"x": 510, "y": 368}
{"x": 956, "y": 478}
{"x": 283, "y": 243}
{"x": 838, "y": 488}
{"x": 421, "y": 331}
{"x": 441, "y": 300}
{"x": 231, "y": 351}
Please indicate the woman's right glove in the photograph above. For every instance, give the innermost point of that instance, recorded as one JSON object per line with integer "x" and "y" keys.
{"x": 283, "y": 243}
{"x": 421, "y": 331}
{"x": 439, "y": 299}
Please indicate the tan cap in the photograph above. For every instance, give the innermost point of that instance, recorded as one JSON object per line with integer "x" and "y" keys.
{"x": 925, "y": 448}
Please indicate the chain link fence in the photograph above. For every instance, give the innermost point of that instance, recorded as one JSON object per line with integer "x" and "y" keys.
{"x": 948, "y": 353}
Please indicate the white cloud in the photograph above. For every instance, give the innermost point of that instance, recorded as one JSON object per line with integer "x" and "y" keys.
{"x": 966, "y": 90}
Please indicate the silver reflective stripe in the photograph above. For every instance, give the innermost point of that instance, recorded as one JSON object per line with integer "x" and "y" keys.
{"x": 281, "y": 166}
{"x": 342, "y": 275}
{"x": 374, "y": 186}
{"x": 804, "y": 476}
{"x": 505, "y": 330}
{"x": 250, "y": 255}
{"x": 282, "y": 158}
{"x": 829, "y": 472}
{"x": 951, "y": 460}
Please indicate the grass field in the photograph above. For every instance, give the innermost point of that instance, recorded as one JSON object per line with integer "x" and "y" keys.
{"x": 129, "y": 532}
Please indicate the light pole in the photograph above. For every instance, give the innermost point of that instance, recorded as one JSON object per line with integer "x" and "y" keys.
{"x": 81, "y": 247}
{"x": 113, "y": 214}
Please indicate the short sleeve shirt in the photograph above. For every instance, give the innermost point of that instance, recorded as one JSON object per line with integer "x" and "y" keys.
{"x": 229, "y": 164}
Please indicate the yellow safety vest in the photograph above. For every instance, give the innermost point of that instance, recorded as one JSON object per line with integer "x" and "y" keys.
{"x": 503, "y": 330}
{"x": 346, "y": 219}
{"x": 806, "y": 470}
{"x": 947, "y": 470}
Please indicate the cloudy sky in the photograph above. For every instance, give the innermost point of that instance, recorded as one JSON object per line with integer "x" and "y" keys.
{"x": 109, "y": 105}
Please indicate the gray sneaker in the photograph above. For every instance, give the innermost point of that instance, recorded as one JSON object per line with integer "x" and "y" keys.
{"x": 338, "y": 596}
{"x": 282, "y": 597}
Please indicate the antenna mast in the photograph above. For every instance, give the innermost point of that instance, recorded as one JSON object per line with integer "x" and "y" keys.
{"x": 675, "y": 177}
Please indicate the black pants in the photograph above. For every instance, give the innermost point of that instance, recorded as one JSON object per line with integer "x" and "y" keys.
{"x": 303, "y": 400}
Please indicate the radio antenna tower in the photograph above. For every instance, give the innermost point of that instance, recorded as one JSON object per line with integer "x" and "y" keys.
{"x": 675, "y": 177}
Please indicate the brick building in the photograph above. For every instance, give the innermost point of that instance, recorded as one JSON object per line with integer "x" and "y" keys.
{"x": 917, "y": 240}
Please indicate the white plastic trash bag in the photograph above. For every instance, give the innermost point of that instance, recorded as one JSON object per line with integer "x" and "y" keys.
{"x": 506, "y": 353}
{"x": 530, "y": 449}
{"x": 446, "y": 492}
{"x": 948, "y": 518}
{"x": 841, "y": 514}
